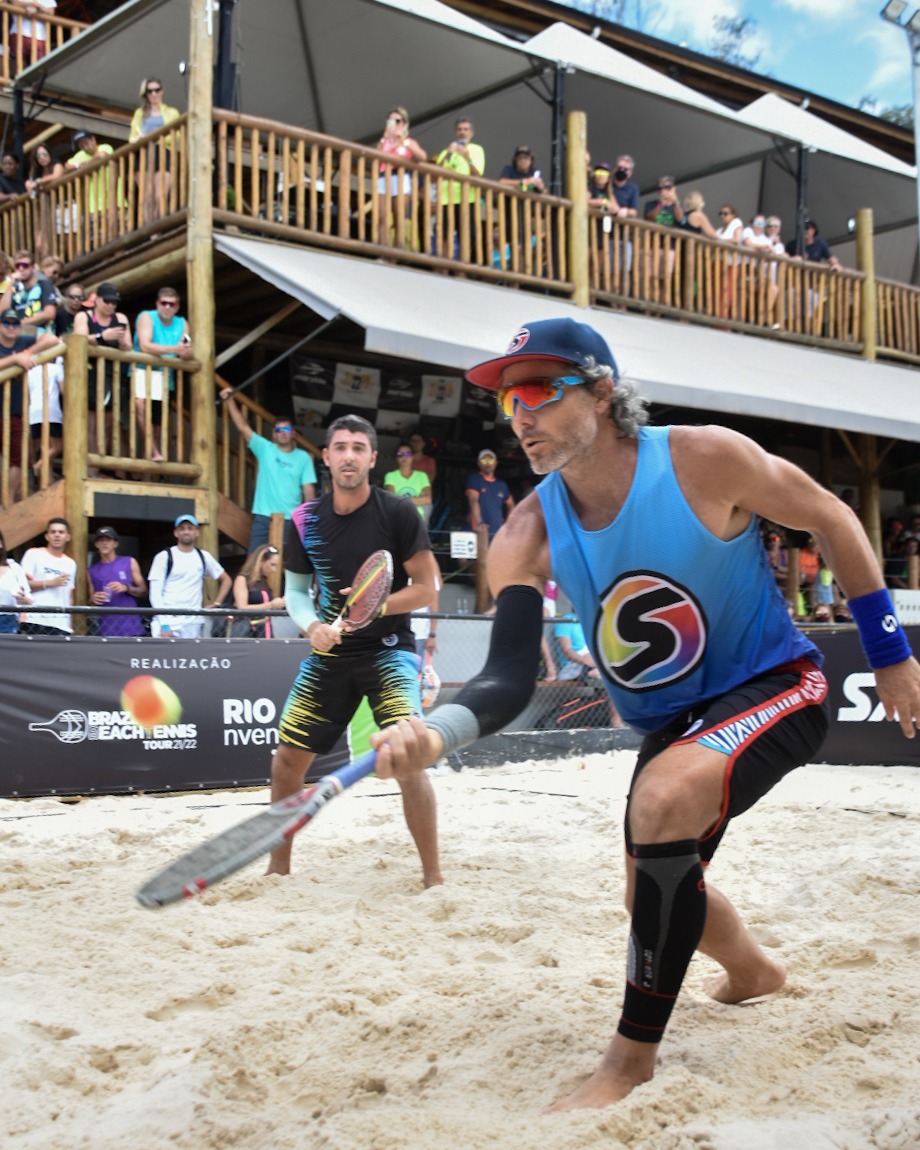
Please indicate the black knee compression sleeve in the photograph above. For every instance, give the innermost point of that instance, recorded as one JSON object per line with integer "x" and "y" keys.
{"x": 669, "y": 913}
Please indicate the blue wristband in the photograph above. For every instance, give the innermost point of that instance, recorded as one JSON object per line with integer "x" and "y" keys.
{"x": 882, "y": 636}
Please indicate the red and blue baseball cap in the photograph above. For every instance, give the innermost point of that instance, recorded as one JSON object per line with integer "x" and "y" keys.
{"x": 562, "y": 339}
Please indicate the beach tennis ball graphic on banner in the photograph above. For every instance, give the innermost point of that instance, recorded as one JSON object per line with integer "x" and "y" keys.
{"x": 150, "y": 702}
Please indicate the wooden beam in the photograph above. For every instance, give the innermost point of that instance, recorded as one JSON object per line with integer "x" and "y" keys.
{"x": 576, "y": 189}
{"x": 199, "y": 256}
{"x": 257, "y": 332}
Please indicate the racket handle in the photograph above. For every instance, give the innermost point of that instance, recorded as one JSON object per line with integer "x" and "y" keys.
{"x": 355, "y": 770}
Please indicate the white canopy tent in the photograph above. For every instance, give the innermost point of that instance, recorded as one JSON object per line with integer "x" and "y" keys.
{"x": 844, "y": 174}
{"x": 339, "y": 67}
{"x": 456, "y": 323}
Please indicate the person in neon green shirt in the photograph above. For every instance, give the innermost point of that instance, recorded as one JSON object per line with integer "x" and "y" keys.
{"x": 407, "y": 483}
{"x": 466, "y": 159}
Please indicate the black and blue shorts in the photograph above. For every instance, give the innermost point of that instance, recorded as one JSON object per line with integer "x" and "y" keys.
{"x": 329, "y": 688}
{"x": 765, "y": 728}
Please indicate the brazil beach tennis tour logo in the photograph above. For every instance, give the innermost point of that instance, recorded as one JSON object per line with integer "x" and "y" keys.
{"x": 71, "y": 726}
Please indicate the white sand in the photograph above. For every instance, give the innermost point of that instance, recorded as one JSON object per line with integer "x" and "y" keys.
{"x": 343, "y": 1008}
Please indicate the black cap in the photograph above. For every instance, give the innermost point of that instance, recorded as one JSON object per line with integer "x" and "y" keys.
{"x": 108, "y": 292}
{"x": 106, "y": 533}
{"x": 11, "y": 316}
{"x": 79, "y": 135}
{"x": 522, "y": 150}
{"x": 809, "y": 223}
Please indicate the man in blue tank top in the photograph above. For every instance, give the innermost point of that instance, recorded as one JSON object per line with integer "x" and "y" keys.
{"x": 652, "y": 533}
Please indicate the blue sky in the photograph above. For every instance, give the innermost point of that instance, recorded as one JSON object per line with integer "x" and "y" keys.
{"x": 837, "y": 48}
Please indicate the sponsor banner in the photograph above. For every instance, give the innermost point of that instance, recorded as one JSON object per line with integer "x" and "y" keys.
{"x": 62, "y": 730}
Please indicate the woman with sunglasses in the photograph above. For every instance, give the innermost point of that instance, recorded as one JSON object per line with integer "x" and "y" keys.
{"x": 730, "y": 230}
{"x": 252, "y": 588}
{"x": 396, "y": 186}
{"x": 44, "y": 167}
{"x": 151, "y": 115}
{"x": 408, "y": 483}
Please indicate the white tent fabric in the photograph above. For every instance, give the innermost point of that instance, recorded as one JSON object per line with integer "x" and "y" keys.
{"x": 774, "y": 114}
{"x": 337, "y": 68}
{"x": 454, "y": 324}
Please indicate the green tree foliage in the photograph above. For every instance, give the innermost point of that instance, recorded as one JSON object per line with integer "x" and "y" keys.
{"x": 730, "y": 34}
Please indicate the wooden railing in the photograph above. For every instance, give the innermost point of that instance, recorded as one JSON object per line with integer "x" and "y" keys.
{"x": 898, "y": 320}
{"x": 124, "y": 423}
{"x": 666, "y": 269}
{"x": 287, "y": 181}
{"x": 87, "y": 213}
{"x": 20, "y": 50}
{"x": 138, "y": 408}
{"x": 306, "y": 187}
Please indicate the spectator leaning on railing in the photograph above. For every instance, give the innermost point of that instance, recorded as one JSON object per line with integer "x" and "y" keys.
{"x": 12, "y": 185}
{"x": 17, "y": 350}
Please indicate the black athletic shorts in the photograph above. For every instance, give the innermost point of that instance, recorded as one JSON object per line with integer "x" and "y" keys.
{"x": 329, "y": 689}
{"x": 765, "y": 728}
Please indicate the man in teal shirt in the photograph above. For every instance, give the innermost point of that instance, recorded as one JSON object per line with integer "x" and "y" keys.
{"x": 286, "y": 476}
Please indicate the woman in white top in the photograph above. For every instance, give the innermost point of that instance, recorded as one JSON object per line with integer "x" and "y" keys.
{"x": 730, "y": 231}
{"x": 14, "y": 591}
{"x": 774, "y": 224}
{"x": 731, "y": 226}
{"x": 756, "y": 236}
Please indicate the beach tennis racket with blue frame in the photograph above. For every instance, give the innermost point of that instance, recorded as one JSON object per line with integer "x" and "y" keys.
{"x": 236, "y": 847}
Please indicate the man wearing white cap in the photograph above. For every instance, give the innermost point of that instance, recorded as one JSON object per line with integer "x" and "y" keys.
{"x": 177, "y": 579}
{"x": 488, "y": 496}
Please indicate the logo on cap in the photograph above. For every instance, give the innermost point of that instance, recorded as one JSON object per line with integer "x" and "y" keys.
{"x": 518, "y": 341}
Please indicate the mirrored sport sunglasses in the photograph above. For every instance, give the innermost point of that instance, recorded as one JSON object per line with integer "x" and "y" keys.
{"x": 533, "y": 393}
{"x": 283, "y": 427}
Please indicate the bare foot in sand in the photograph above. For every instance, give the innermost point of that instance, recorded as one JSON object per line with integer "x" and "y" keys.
{"x": 626, "y": 1065}
{"x": 767, "y": 978}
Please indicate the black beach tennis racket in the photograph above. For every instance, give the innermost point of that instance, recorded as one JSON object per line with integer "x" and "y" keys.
{"x": 236, "y": 847}
{"x": 368, "y": 592}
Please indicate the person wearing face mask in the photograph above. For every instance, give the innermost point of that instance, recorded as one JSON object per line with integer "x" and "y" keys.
{"x": 625, "y": 190}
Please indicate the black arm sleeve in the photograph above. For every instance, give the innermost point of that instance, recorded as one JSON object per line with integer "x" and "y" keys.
{"x": 503, "y": 687}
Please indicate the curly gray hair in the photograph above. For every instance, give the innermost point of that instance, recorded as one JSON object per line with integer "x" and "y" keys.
{"x": 628, "y": 408}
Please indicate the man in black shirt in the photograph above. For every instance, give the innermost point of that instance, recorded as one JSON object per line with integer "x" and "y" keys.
{"x": 327, "y": 541}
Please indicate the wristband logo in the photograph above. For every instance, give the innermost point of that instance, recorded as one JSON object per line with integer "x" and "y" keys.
{"x": 889, "y": 624}
{"x": 650, "y": 631}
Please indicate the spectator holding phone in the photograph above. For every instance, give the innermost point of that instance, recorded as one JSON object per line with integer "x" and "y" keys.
{"x": 106, "y": 327}
{"x": 160, "y": 331}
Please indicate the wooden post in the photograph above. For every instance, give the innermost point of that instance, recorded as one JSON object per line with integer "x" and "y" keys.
{"x": 199, "y": 258}
{"x": 483, "y": 595}
{"x": 276, "y": 527}
{"x": 869, "y": 500}
{"x": 576, "y": 189}
{"x": 865, "y": 262}
{"x": 792, "y": 578}
{"x": 76, "y": 368}
{"x": 913, "y": 572}
{"x": 870, "y": 511}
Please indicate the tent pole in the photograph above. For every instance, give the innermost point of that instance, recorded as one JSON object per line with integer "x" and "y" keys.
{"x": 801, "y": 209}
{"x": 558, "y": 147}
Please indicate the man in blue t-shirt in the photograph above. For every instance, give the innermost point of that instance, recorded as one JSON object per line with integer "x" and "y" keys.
{"x": 489, "y": 497}
{"x": 286, "y": 476}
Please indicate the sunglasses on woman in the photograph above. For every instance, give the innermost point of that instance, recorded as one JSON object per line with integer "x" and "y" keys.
{"x": 534, "y": 393}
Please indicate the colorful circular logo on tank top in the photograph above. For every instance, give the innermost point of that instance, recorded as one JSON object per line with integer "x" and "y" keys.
{"x": 650, "y": 631}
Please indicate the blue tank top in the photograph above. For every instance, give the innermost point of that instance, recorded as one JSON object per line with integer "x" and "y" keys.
{"x": 673, "y": 615}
